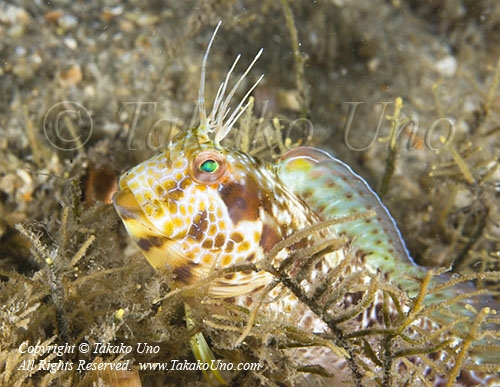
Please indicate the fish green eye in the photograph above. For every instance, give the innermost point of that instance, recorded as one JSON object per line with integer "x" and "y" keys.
{"x": 209, "y": 166}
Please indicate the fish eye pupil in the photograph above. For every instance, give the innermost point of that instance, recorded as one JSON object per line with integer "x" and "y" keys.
{"x": 209, "y": 166}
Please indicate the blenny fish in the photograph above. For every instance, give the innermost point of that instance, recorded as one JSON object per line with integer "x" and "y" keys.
{"x": 307, "y": 230}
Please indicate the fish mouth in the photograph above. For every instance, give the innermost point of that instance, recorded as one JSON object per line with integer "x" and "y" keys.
{"x": 135, "y": 220}
{"x": 157, "y": 248}
{"x": 126, "y": 205}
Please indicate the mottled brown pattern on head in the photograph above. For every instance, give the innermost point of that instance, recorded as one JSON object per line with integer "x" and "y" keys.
{"x": 236, "y": 237}
{"x": 199, "y": 226}
{"x": 219, "y": 241}
{"x": 242, "y": 200}
{"x": 148, "y": 242}
{"x": 207, "y": 243}
{"x": 229, "y": 246}
{"x": 176, "y": 194}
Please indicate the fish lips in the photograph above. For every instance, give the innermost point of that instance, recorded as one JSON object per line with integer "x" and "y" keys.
{"x": 126, "y": 205}
{"x": 132, "y": 214}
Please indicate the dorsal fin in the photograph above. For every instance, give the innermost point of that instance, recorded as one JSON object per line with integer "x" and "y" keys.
{"x": 332, "y": 189}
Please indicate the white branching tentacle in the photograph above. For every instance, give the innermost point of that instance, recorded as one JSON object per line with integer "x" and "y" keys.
{"x": 219, "y": 98}
{"x": 223, "y": 128}
{"x": 204, "y": 124}
{"x": 218, "y": 119}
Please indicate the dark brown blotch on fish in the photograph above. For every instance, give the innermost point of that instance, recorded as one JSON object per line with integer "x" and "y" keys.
{"x": 219, "y": 240}
{"x": 242, "y": 200}
{"x": 270, "y": 236}
{"x": 148, "y": 242}
{"x": 184, "y": 273}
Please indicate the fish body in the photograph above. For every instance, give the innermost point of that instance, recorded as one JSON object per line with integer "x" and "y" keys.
{"x": 199, "y": 208}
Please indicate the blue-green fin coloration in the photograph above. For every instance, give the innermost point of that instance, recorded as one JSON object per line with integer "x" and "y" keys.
{"x": 333, "y": 190}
